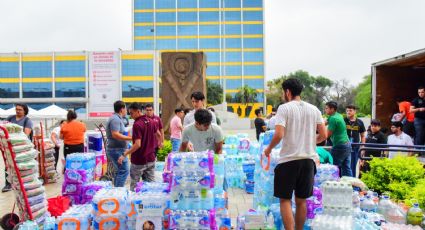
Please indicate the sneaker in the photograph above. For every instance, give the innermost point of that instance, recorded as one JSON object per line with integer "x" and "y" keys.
{"x": 6, "y": 188}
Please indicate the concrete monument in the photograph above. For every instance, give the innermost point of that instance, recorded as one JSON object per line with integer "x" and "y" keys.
{"x": 182, "y": 74}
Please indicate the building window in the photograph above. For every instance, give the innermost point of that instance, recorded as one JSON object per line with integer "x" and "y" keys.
{"x": 232, "y": 3}
{"x": 209, "y": 30}
{"x": 233, "y": 43}
{"x": 187, "y": 43}
{"x": 233, "y": 56}
{"x": 9, "y": 90}
{"x": 253, "y": 29}
{"x": 143, "y": 4}
{"x": 255, "y": 83}
{"x": 209, "y": 4}
{"x": 233, "y": 83}
{"x": 253, "y": 43}
{"x": 166, "y": 17}
{"x": 254, "y": 70}
{"x": 213, "y": 16}
{"x": 137, "y": 68}
{"x": 143, "y": 44}
{"x": 187, "y": 30}
{"x": 235, "y": 70}
{"x": 252, "y": 3}
{"x": 166, "y": 44}
{"x": 209, "y": 43}
{"x": 187, "y": 3}
{"x": 233, "y": 29}
{"x": 137, "y": 89}
{"x": 143, "y": 17}
{"x": 166, "y": 30}
{"x": 253, "y": 15}
{"x": 253, "y": 56}
{"x": 165, "y": 4}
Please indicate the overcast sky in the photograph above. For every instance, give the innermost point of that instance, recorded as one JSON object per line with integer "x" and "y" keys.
{"x": 338, "y": 39}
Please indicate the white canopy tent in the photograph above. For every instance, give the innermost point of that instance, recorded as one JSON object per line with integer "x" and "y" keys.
{"x": 31, "y": 112}
{"x": 52, "y": 111}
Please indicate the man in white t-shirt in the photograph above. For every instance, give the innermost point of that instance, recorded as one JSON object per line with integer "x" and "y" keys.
{"x": 198, "y": 102}
{"x": 398, "y": 138}
{"x": 296, "y": 123}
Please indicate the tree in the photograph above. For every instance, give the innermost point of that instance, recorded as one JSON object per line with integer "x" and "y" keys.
{"x": 246, "y": 95}
{"x": 364, "y": 95}
{"x": 343, "y": 94}
{"x": 316, "y": 89}
{"x": 214, "y": 93}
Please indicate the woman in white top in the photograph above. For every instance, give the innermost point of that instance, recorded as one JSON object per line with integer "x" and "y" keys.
{"x": 55, "y": 136}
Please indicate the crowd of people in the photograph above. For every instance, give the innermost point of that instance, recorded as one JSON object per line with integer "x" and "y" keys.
{"x": 298, "y": 125}
{"x": 343, "y": 130}
{"x": 195, "y": 130}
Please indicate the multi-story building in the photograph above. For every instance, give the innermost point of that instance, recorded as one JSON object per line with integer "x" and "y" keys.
{"x": 230, "y": 32}
{"x": 40, "y": 79}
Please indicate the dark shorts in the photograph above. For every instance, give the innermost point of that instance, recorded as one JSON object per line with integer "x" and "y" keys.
{"x": 295, "y": 176}
{"x": 68, "y": 149}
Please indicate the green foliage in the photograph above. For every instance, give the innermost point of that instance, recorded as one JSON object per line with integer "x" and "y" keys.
{"x": 418, "y": 193}
{"x": 246, "y": 95}
{"x": 316, "y": 89}
{"x": 164, "y": 151}
{"x": 364, "y": 95}
{"x": 396, "y": 176}
{"x": 214, "y": 93}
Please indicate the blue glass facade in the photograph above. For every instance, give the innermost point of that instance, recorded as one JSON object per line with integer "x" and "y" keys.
{"x": 230, "y": 32}
{"x": 9, "y": 76}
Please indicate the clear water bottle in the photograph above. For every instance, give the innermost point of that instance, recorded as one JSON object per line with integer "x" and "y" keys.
{"x": 414, "y": 215}
{"x": 368, "y": 205}
{"x": 384, "y": 205}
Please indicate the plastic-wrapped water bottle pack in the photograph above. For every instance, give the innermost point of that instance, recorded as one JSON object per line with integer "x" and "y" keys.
{"x": 76, "y": 217}
{"x": 326, "y": 172}
{"x": 78, "y": 172}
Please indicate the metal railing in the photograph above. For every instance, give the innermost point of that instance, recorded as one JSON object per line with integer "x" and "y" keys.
{"x": 418, "y": 150}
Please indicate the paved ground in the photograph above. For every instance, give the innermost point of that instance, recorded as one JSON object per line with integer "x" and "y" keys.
{"x": 239, "y": 200}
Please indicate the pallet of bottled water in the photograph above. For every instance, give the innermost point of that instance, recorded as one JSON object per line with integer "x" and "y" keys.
{"x": 337, "y": 198}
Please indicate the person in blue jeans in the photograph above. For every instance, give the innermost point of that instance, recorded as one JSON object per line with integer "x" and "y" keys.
{"x": 418, "y": 107}
{"x": 341, "y": 146}
{"x": 356, "y": 132}
{"x": 117, "y": 143}
{"x": 176, "y": 128}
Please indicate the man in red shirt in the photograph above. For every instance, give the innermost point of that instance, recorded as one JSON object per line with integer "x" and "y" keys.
{"x": 145, "y": 139}
{"x": 158, "y": 123}
{"x": 407, "y": 118}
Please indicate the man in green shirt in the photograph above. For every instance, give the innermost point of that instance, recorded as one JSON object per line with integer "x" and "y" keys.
{"x": 341, "y": 146}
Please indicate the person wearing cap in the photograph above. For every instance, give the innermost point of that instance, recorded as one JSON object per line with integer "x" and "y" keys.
{"x": 341, "y": 146}
{"x": 376, "y": 136}
{"x": 398, "y": 138}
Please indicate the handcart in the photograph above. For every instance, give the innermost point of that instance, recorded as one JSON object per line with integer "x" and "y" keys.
{"x": 10, "y": 220}
{"x": 38, "y": 140}
{"x": 109, "y": 175}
